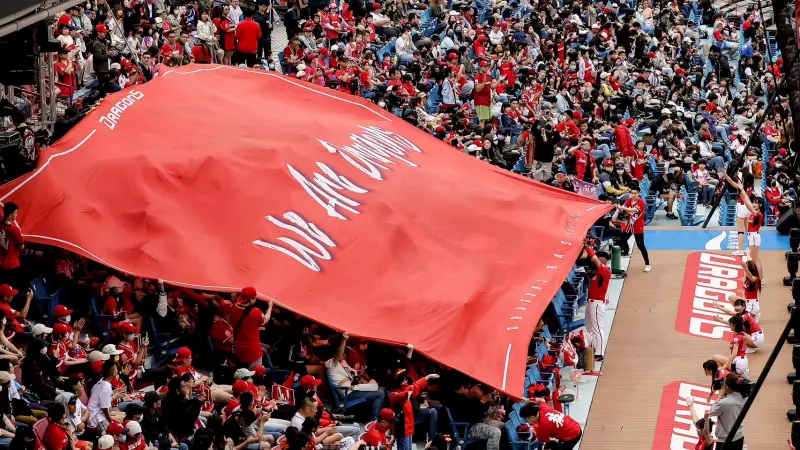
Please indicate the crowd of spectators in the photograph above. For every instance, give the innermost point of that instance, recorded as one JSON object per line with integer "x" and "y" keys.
{"x": 602, "y": 99}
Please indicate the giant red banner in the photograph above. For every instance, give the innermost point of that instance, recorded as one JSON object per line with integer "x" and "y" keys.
{"x": 220, "y": 177}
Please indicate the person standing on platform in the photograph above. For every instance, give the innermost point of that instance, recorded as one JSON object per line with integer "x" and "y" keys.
{"x": 596, "y": 304}
{"x": 635, "y": 208}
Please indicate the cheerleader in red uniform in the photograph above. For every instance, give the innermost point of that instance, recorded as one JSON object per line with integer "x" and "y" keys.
{"x": 737, "y": 361}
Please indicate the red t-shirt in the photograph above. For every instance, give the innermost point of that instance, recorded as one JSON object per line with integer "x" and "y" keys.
{"x": 10, "y": 243}
{"x": 553, "y": 424}
{"x": 248, "y": 33}
{"x": 55, "y": 437}
{"x": 636, "y": 219}
{"x": 750, "y": 324}
{"x": 247, "y": 343}
{"x": 226, "y": 29}
{"x": 376, "y": 436}
{"x": 740, "y": 344}
{"x": 222, "y": 335}
{"x": 755, "y": 222}
{"x": 599, "y": 285}
{"x": 484, "y": 96}
{"x": 233, "y": 403}
{"x": 169, "y": 51}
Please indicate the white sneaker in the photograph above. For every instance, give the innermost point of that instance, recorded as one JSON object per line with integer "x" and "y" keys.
{"x": 647, "y": 268}
{"x": 750, "y": 350}
{"x": 738, "y": 253}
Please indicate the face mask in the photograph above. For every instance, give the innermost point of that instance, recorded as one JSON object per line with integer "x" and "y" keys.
{"x": 67, "y": 318}
{"x": 129, "y": 336}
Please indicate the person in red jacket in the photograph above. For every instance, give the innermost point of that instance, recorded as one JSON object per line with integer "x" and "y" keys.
{"x": 551, "y": 425}
{"x": 248, "y": 33}
{"x": 623, "y": 140}
{"x": 402, "y": 399}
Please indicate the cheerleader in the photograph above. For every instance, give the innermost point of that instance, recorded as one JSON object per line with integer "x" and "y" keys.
{"x": 754, "y": 223}
{"x": 753, "y": 331}
{"x": 711, "y": 369}
{"x": 752, "y": 288}
{"x": 737, "y": 361}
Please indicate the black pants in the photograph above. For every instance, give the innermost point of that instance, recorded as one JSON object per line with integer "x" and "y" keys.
{"x": 639, "y": 238}
{"x": 563, "y": 445}
{"x": 248, "y": 59}
{"x": 264, "y": 49}
{"x": 735, "y": 445}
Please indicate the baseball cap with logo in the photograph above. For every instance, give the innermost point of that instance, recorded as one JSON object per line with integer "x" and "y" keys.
{"x": 115, "y": 428}
{"x": 105, "y": 442}
{"x": 127, "y": 327}
{"x": 182, "y": 354}
{"x": 243, "y": 373}
{"x": 61, "y": 328}
{"x": 308, "y": 381}
{"x": 133, "y": 428}
{"x": 7, "y": 291}
{"x": 97, "y": 355}
{"x": 239, "y": 386}
{"x": 101, "y": 28}
{"x": 62, "y": 311}
{"x": 248, "y": 294}
{"x": 111, "y": 349}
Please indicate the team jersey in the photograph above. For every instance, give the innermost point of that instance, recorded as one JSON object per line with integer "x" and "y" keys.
{"x": 752, "y": 289}
{"x": 740, "y": 344}
{"x": 635, "y": 220}
{"x": 719, "y": 379}
{"x": 599, "y": 285}
{"x": 754, "y": 222}
{"x": 750, "y": 324}
{"x": 556, "y": 425}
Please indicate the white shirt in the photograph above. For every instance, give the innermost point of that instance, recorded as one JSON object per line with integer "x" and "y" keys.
{"x": 297, "y": 420}
{"x": 235, "y": 15}
{"x": 98, "y": 400}
{"x": 496, "y": 38}
{"x": 340, "y": 374}
{"x": 73, "y": 420}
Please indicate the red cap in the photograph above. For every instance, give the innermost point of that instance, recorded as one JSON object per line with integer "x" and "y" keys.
{"x": 61, "y": 311}
{"x": 309, "y": 381}
{"x": 239, "y": 386}
{"x": 452, "y": 55}
{"x": 127, "y": 327}
{"x": 651, "y": 54}
{"x": 323, "y": 51}
{"x": 7, "y": 291}
{"x": 484, "y": 63}
{"x": 61, "y": 328}
{"x": 680, "y": 71}
{"x": 182, "y": 354}
{"x": 608, "y": 162}
{"x": 248, "y": 294}
{"x": 97, "y": 366}
{"x": 115, "y": 428}
{"x": 478, "y": 142}
{"x": 628, "y": 121}
{"x": 781, "y": 151}
{"x": 577, "y": 115}
{"x": 101, "y": 28}
{"x": 259, "y": 370}
{"x": 376, "y": 5}
{"x": 387, "y": 415}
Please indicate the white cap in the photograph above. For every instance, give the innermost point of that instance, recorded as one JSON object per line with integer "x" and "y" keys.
{"x": 301, "y": 73}
{"x": 115, "y": 66}
{"x": 243, "y": 373}
{"x": 300, "y": 67}
{"x": 105, "y": 442}
{"x": 687, "y": 39}
{"x": 40, "y": 329}
{"x": 111, "y": 349}
{"x": 133, "y": 428}
{"x": 334, "y": 48}
{"x": 473, "y": 148}
{"x": 453, "y": 13}
{"x": 666, "y": 111}
{"x": 97, "y": 355}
